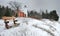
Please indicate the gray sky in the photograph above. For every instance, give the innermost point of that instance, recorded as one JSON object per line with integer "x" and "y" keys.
{"x": 37, "y": 4}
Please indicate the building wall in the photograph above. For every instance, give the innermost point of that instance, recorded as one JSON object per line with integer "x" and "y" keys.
{"x": 21, "y": 14}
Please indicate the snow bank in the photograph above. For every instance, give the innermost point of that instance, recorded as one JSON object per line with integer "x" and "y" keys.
{"x": 32, "y": 27}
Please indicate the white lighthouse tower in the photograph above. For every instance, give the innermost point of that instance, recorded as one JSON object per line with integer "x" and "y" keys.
{"x": 24, "y": 9}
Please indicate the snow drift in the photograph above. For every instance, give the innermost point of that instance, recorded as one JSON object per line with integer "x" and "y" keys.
{"x": 31, "y": 27}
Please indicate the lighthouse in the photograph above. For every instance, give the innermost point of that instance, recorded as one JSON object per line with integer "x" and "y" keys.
{"x": 23, "y": 12}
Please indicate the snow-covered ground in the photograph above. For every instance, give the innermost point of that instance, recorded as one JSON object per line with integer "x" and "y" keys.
{"x": 31, "y": 27}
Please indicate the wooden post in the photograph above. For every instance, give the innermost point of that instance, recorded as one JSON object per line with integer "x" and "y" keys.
{"x": 6, "y": 24}
{"x": 14, "y": 22}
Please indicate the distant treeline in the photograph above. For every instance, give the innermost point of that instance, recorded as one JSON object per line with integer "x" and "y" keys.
{"x": 5, "y": 11}
{"x": 41, "y": 15}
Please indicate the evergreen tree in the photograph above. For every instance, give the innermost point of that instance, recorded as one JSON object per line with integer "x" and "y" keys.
{"x": 43, "y": 14}
{"x": 7, "y": 12}
{"x": 1, "y": 11}
{"x": 28, "y": 13}
{"x": 47, "y": 14}
{"x": 54, "y": 15}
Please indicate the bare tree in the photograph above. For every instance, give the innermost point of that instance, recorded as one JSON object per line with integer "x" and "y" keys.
{"x": 16, "y": 6}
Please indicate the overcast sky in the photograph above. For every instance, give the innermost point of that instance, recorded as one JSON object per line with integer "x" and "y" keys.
{"x": 37, "y": 4}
